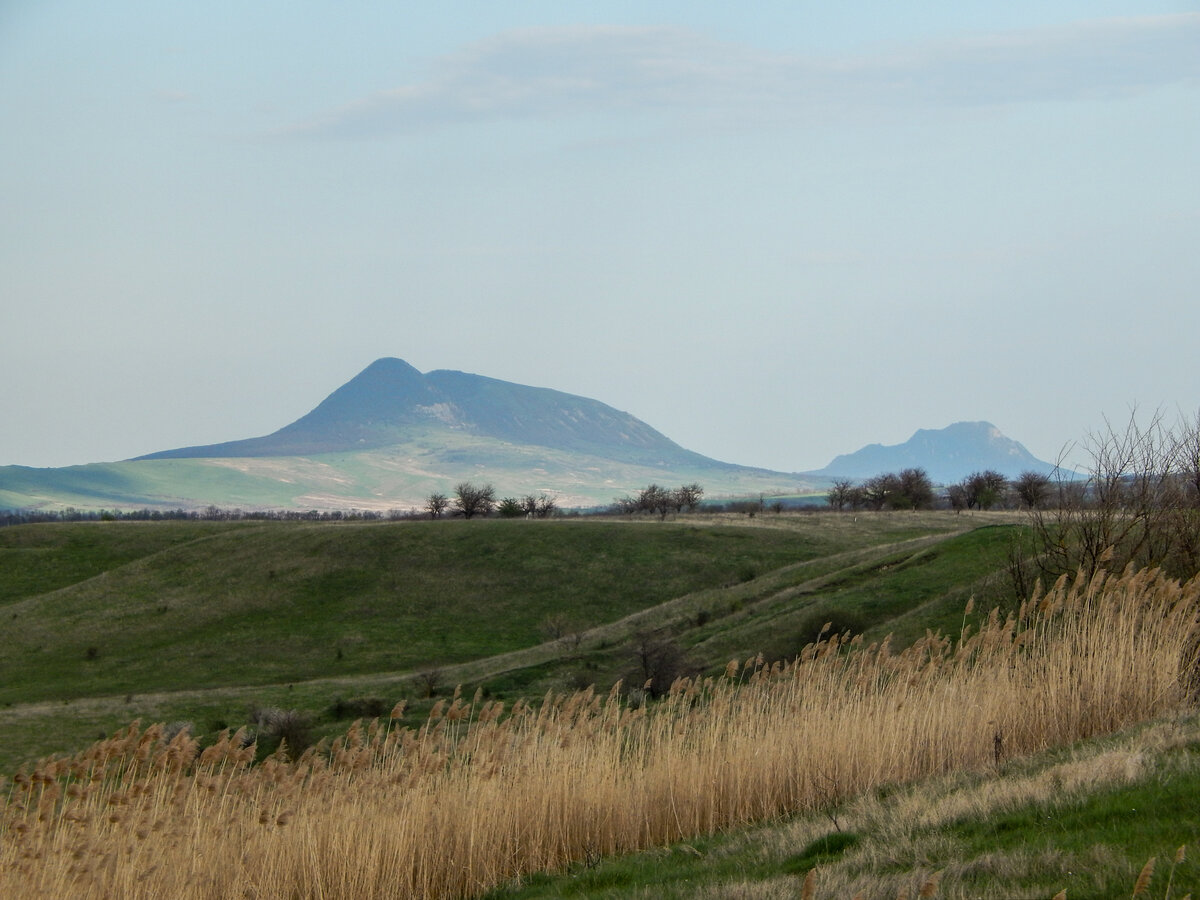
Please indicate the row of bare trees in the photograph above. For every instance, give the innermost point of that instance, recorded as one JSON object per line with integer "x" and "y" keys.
{"x": 913, "y": 489}
{"x": 909, "y": 489}
{"x": 472, "y": 500}
{"x": 661, "y": 501}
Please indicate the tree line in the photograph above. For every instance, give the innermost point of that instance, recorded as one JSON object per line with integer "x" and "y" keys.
{"x": 471, "y": 500}
{"x": 661, "y": 501}
{"x": 913, "y": 489}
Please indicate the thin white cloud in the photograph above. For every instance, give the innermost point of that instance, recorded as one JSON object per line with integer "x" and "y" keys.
{"x": 552, "y": 72}
{"x": 167, "y": 96}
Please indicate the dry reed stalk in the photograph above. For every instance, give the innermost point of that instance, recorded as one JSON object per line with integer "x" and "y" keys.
{"x": 474, "y": 798}
{"x": 1143, "y": 882}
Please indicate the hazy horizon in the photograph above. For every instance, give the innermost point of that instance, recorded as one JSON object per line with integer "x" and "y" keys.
{"x": 774, "y": 234}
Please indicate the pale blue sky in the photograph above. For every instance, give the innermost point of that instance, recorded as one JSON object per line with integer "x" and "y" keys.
{"x": 774, "y": 233}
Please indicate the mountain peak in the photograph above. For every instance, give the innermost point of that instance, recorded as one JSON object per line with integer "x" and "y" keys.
{"x": 387, "y": 369}
{"x": 391, "y": 402}
{"x": 947, "y": 454}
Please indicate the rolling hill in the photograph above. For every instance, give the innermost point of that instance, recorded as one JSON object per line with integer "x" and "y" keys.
{"x": 198, "y": 620}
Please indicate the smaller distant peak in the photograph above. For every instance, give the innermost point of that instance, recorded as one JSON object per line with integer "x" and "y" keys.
{"x": 972, "y": 426}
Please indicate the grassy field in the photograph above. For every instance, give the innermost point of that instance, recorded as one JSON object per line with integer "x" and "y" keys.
{"x": 285, "y": 602}
{"x": 981, "y": 766}
{"x": 202, "y": 621}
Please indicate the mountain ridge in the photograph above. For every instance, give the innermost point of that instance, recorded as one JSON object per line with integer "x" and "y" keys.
{"x": 391, "y": 436}
{"x": 947, "y": 455}
{"x": 389, "y": 401}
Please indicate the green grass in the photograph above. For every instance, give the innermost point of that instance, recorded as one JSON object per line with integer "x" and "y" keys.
{"x": 201, "y": 621}
{"x": 925, "y": 583}
{"x": 39, "y": 559}
{"x": 283, "y": 602}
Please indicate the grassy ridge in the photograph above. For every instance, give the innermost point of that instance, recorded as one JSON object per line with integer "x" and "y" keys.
{"x": 280, "y": 602}
{"x": 39, "y": 559}
{"x": 921, "y": 583}
{"x": 199, "y": 621}
{"x": 154, "y": 483}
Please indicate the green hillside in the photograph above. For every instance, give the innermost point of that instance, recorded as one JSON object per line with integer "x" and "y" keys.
{"x": 281, "y": 602}
{"x": 200, "y": 621}
{"x": 398, "y": 477}
{"x": 212, "y": 622}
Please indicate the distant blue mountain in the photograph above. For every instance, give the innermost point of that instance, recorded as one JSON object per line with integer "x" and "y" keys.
{"x": 390, "y": 401}
{"x": 947, "y": 455}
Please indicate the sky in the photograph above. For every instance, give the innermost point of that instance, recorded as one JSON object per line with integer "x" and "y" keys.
{"x": 775, "y": 232}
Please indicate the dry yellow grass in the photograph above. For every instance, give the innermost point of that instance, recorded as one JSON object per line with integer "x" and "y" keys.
{"x": 480, "y": 795}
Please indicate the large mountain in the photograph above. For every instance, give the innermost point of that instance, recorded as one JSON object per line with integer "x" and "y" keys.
{"x": 389, "y": 438}
{"x": 390, "y": 402}
{"x": 947, "y": 455}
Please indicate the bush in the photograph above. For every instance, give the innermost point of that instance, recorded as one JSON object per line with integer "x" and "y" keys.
{"x": 276, "y": 726}
{"x": 359, "y": 708}
{"x": 660, "y": 663}
{"x": 510, "y": 508}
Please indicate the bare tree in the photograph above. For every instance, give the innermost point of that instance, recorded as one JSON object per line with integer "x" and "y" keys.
{"x": 430, "y": 679}
{"x": 916, "y": 489}
{"x": 880, "y": 490}
{"x": 436, "y": 505}
{"x": 471, "y": 501}
{"x": 538, "y": 507}
{"x": 985, "y": 489}
{"x": 1188, "y": 448}
{"x": 1032, "y": 487}
{"x": 660, "y": 661}
{"x": 660, "y": 500}
{"x": 627, "y": 505}
{"x": 839, "y": 494}
{"x": 1132, "y": 505}
{"x": 655, "y": 499}
{"x": 688, "y": 496}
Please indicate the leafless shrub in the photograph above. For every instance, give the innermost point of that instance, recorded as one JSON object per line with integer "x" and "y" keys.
{"x": 1138, "y": 502}
{"x": 430, "y": 680}
{"x": 277, "y": 725}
